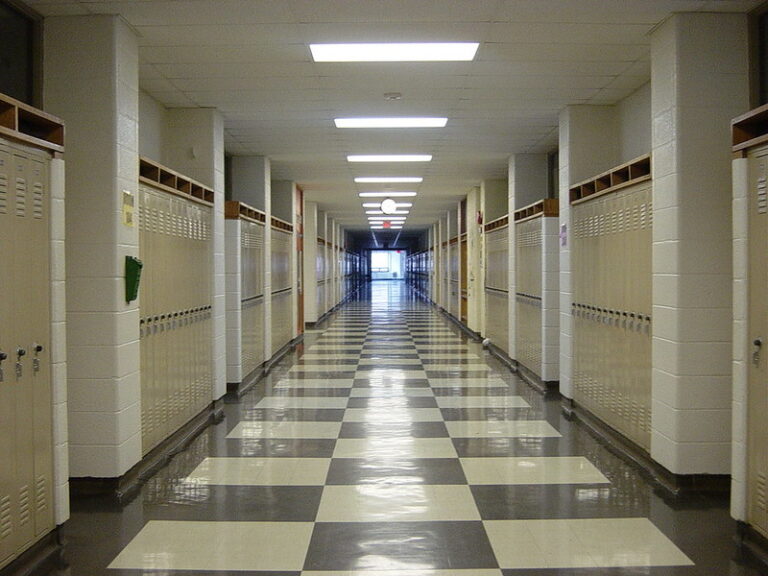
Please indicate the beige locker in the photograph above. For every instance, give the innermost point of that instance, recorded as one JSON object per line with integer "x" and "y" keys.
{"x": 611, "y": 263}
{"x": 757, "y": 320}
{"x": 26, "y": 417}
{"x": 252, "y": 290}
{"x": 528, "y": 274}
{"x": 497, "y": 285}
{"x": 175, "y": 307}
{"x": 282, "y": 291}
{"x": 454, "y": 289}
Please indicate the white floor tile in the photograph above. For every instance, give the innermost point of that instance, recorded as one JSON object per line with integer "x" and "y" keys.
{"x": 314, "y": 383}
{"x": 261, "y": 471}
{"x": 175, "y": 545}
{"x": 538, "y": 470}
{"x": 481, "y": 402}
{"x": 384, "y": 448}
{"x": 378, "y": 415}
{"x": 407, "y": 503}
{"x": 301, "y": 402}
{"x": 401, "y": 572}
{"x": 486, "y": 382}
{"x": 581, "y": 543}
{"x": 444, "y": 356}
{"x": 286, "y": 429}
{"x": 323, "y": 368}
{"x": 501, "y": 429}
{"x": 477, "y": 366}
{"x": 331, "y": 356}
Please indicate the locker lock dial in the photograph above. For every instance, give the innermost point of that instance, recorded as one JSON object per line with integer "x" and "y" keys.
{"x": 758, "y": 345}
{"x": 20, "y": 352}
{"x": 3, "y": 356}
{"x": 37, "y": 348}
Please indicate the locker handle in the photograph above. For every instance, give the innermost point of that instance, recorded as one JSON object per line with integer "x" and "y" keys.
{"x": 20, "y": 352}
{"x": 3, "y": 356}
{"x": 37, "y": 348}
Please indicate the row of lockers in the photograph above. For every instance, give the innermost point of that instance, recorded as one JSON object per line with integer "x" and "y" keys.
{"x": 26, "y": 442}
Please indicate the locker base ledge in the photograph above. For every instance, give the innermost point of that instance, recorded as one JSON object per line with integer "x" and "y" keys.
{"x": 502, "y": 357}
{"x": 43, "y": 557}
{"x": 545, "y": 387}
{"x": 123, "y": 489}
{"x": 751, "y": 545}
{"x": 236, "y": 390}
{"x": 463, "y": 327}
{"x": 282, "y": 352}
{"x": 669, "y": 485}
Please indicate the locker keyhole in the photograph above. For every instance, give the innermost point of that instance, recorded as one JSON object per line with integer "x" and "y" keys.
{"x": 20, "y": 352}
{"x": 757, "y": 344}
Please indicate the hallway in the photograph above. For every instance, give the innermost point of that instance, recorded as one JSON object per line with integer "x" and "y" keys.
{"x": 393, "y": 445}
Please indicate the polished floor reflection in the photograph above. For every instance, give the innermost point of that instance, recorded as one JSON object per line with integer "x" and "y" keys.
{"x": 390, "y": 445}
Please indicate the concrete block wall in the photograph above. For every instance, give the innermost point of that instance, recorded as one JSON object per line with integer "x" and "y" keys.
{"x": 233, "y": 281}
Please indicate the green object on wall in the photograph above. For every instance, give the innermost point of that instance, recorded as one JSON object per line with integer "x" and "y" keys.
{"x": 133, "y": 268}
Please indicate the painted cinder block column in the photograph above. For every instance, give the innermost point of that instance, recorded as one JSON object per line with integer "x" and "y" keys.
{"x": 699, "y": 82}
{"x": 91, "y": 80}
{"x": 310, "y": 262}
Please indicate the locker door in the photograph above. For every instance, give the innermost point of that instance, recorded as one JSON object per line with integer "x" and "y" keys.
{"x": 38, "y": 363}
{"x": 23, "y": 394}
{"x": 758, "y": 332}
{"x": 8, "y": 540}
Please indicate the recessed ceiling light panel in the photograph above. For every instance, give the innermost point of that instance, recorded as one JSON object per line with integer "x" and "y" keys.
{"x": 411, "y": 122}
{"x": 389, "y": 158}
{"x": 386, "y": 194}
{"x": 395, "y": 52}
{"x": 389, "y": 180}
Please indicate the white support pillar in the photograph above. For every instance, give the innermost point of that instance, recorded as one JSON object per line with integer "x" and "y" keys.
{"x": 699, "y": 82}
{"x": 311, "y": 313}
{"x": 93, "y": 84}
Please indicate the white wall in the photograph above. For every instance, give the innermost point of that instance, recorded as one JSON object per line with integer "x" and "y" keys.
{"x": 152, "y": 127}
{"x": 633, "y": 116}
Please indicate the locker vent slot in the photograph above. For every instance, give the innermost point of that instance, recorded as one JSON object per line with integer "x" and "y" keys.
{"x": 21, "y": 197}
{"x": 760, "y": 492}
{"x": 3, "y": 194}
{"x": 37, "y": 201}
{"x": 24, "y": 511}
{"x": 41, "y": 495}
{"x": 6, "y": 527}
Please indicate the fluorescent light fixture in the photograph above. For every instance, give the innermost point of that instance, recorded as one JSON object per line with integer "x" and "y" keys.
{"x": 395, "y": 227}
{"x": 389, "y": 180}
{"x": 386, "y": 195}
{"x": 408, "y": 122}
{"x": 385, "y": 218}
{"x": 374, "y": 212}
{"x": 395, "y": 52}
{"x": 377, "y": 227}
{"x": 389, "y": 158}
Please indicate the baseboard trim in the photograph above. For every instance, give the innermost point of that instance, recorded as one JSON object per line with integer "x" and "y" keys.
{"x": 236, "y": 390}
{"x": 280, "y": 354}
{"x": 502, "y": 356}
{"x": 463, "y": 327}
{"x": 670, "y": 485}
{"x": 123, "y": 489}
{"x": 545, "y": 387}
{"x": 751, "y": 544}
{"x": 44, "y": 556}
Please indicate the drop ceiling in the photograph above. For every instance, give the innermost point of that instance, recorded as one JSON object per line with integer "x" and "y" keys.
{"x": 250, "y": 59}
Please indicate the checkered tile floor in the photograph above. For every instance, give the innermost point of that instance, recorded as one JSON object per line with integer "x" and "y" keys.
{"x": 377, "y": 452}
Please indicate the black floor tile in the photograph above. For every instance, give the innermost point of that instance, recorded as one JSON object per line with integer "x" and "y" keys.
{"x": 459, "y": 391}
{"x": 495, "y": 414}
{"x": 391, "y": 382}
{"x": 241, "y": 504}
{"x": 308, "y": 392}
{"x": 320, "y": 375}
{"x": 294, "y": 414}
{"x": 504, "y": 447}
{"x": 393, "y": 429}
{"x": 460, "y": 375}
{"x": 350, "y": 471}
{"x": 370, "y": 546}
{"x": 400, "y": 402}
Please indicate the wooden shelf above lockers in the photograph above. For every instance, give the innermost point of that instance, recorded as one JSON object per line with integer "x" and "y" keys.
{"x": 154, "y": 174}
{"x": 234, "y": 210}
{"x": 546, "y": 207}
{"x": 637, "y": 170}
{"x": 750, "y": 129}
{"x": 24, "y": 123}
{"x": 281, "y": 224}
